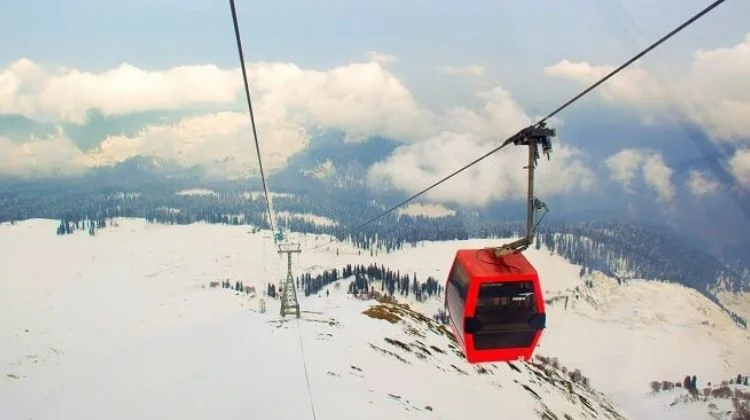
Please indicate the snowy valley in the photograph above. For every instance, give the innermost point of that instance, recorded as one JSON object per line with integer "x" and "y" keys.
{"x": 125, "y": 324}
{"x": 159, "y": 188}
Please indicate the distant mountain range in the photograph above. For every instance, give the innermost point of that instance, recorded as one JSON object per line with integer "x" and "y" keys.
{"x": 327, "y": 179}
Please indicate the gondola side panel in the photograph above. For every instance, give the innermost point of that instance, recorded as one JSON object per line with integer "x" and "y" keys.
{"x": 455, "y": 302}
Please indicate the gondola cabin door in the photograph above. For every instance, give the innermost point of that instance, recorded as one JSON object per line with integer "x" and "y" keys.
{"x": 495, "y": 305}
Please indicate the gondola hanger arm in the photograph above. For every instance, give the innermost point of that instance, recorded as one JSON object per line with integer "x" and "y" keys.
{"x": 532, "y": 137}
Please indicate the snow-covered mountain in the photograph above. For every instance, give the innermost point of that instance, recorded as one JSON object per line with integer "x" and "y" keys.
{"x": 125, "y": 324}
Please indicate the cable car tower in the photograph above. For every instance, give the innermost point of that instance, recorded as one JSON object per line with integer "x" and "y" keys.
{"x": 289, "y": 302}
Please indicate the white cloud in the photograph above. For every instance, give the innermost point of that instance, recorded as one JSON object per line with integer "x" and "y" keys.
{"x": 499, "y": 117}
{"x": 362, "y": 99}
{"x": 222, "y": 143}
{"x": 54, "y": 155}
{"x": 633, "y": 86}
{"x": 624, "y": 166}
{"x": 67, "y": 94}
{"x": 714, "y": 92}
{"x": 473, "y": 70}
{"x": 740, "y": 166}
{"x": 381, "y": 58}
{"x": 658, "y": 176}
{"x": 499, "y": 177}
{"x": 699, "y": 185}
{"x": 470, "y": 134}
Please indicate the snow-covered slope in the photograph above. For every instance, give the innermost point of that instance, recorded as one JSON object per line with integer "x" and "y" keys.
{"x": 80, "y": 302}
{"x": 626, "y": 336}
{"x": 621, "y": 336}
{"x": 736, "y": 302}
{"x": 125, "y": 325}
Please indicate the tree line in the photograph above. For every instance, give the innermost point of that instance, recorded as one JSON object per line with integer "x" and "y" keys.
{"x": 621, "y": 249}
{"x": 366, "y": 278}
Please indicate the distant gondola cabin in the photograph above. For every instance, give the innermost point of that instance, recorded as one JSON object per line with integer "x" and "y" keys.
{"x": 495, "y": 305}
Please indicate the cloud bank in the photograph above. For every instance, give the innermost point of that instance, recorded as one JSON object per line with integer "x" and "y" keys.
{"x": 627, "y": 164}
{"x": 365, "y": 98}
{"x": 469, "y": 134}
{"x": 714, "y": 93}
{"x": 361, "y": 98}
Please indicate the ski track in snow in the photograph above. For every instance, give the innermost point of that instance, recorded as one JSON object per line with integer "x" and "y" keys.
{"x": 124, "y": 325}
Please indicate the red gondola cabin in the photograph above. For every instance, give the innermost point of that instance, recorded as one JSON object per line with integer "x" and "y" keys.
{"x": 495, "y": 305}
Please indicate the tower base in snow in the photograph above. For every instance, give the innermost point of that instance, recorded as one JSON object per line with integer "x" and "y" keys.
{"x": 289, "y": 303}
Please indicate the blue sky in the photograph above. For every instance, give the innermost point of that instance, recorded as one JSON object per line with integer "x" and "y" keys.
{"x": 503, "y": 36}
{"x": 512, "y": 41}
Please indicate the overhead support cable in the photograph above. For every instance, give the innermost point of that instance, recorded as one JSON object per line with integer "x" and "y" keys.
{"x": 269, "y": 209}
{"x": 520, "y": 135}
